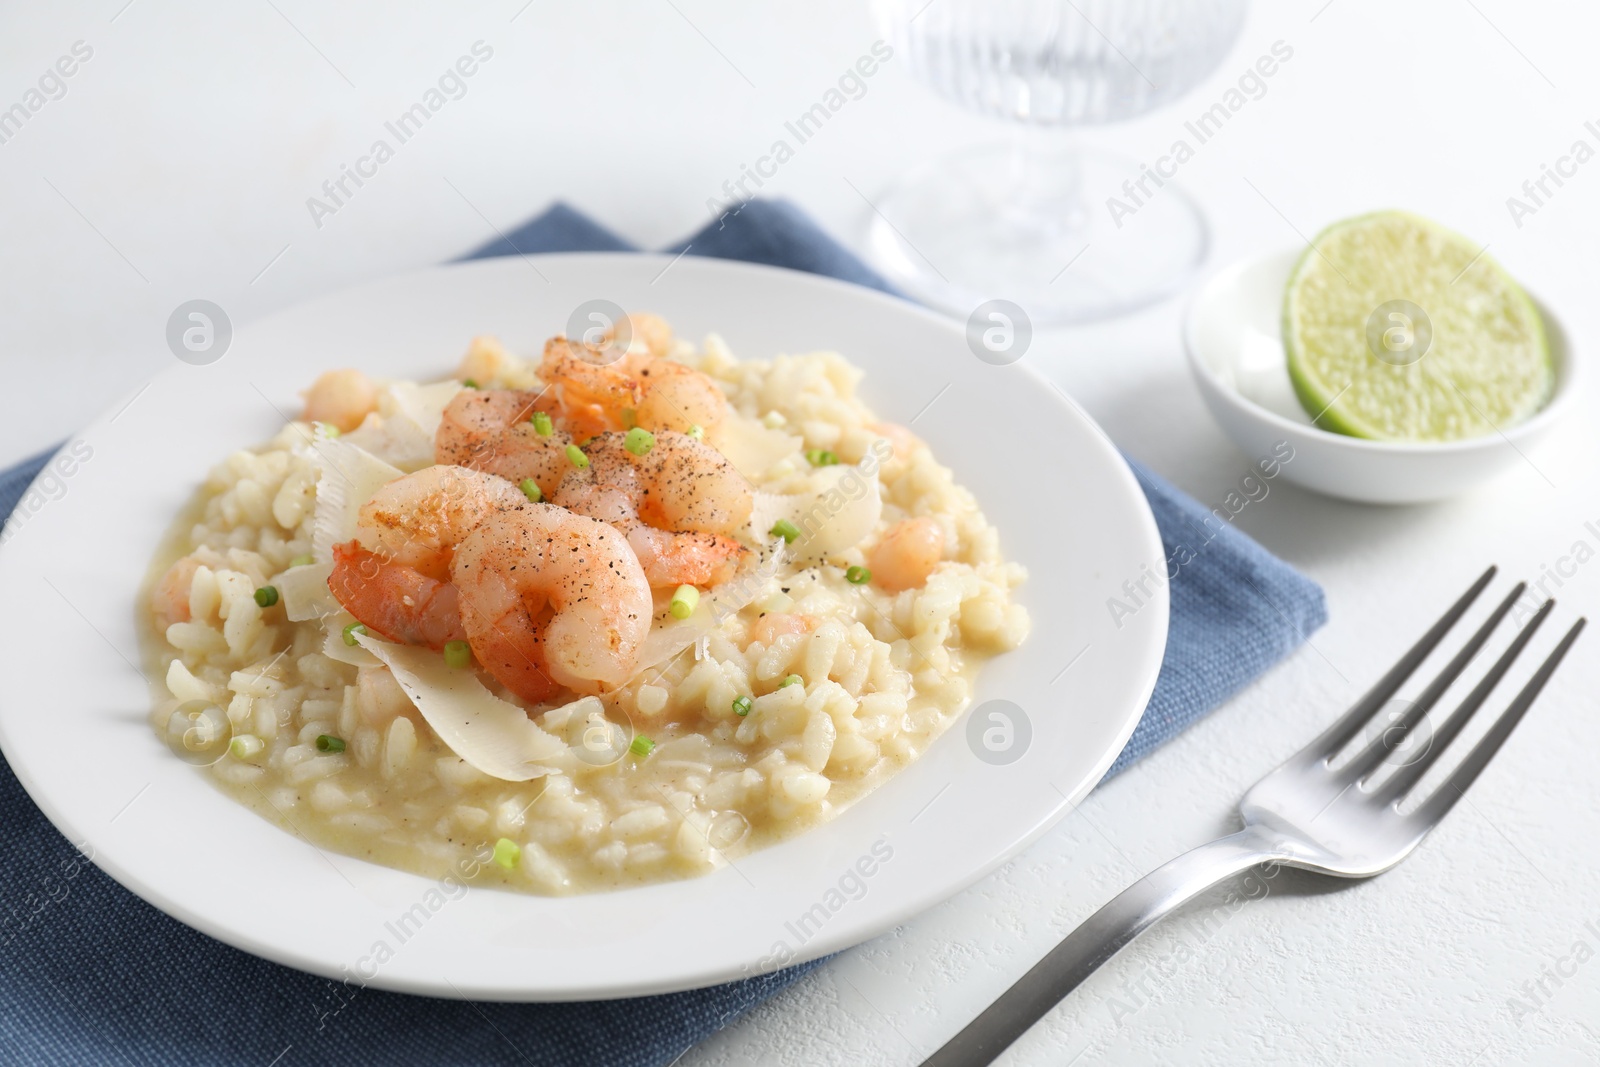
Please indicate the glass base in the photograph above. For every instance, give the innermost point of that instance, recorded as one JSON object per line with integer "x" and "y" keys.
{"x": 1067, "y": 236}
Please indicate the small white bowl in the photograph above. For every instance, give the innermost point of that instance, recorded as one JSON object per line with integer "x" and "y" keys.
{"x": 1233, "y": 336}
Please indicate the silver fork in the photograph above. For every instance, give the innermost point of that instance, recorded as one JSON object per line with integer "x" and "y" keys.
{"x": 1337, "y": 820}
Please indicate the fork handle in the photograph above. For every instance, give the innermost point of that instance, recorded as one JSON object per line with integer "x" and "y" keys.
{"x": 1100, "y": 937}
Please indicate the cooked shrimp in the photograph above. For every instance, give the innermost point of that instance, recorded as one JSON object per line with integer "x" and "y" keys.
{"x": 646, "y": 331}
{"x": 594, "y": 393}
{"x": 681, "y": 483}
{"x": 773, "y": 625}
{"x": 379, "y": 698}
{"x": 676, "y": 504}
{"x": 588, "y": 392}
{"x": 668, "y": 557}
{"x": 397, "y": 579}
{"x": 675, "y": 396}
{"x": 416, "y": 521}
{"x": 907, "y": 554}
{"x": 489, "y": 430}
{"x": 394, "y": 601}
{"x": 170, "y": 597}
{"x": 902, "y": 440}
{"x": 342, "y": 398}
{"x": 551, "y": 596}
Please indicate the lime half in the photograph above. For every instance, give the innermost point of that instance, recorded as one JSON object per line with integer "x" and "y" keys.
{"x": 1398, "y": 329}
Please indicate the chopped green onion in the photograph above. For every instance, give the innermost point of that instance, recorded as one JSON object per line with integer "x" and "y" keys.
{"x": 575, "y": 454}
{"x": 741, "y": 706}
{"x": 457, "y": 653}
{"x": 630, "y": 418}
{"x": 821, "y": 457}
{"x": 303, "y": 561}
{"x": 857, "y": 575}
{"x": 468, "y": 383}
{"x": 530, "y": 489}
{"x": 267, "y": 596}
{"x": 329, "y": 743}
{"x": 697, "y": 432}
{"x": 507, "y": 852}
{"x": 245, "y": 745}
{"x": 351, "y": 631}
{"x": 684, "y": 601}
{"x": 542, "y": 424}
{"x": 639, "y": 441}
{"x": 793, "y": 679}
{"x": 785, "y": 529}
{"x": 328, "y": 429}
{"x": 642, "y": 746}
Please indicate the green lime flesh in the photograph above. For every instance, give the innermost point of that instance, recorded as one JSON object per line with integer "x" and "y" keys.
{"x": 1398, "y": 329}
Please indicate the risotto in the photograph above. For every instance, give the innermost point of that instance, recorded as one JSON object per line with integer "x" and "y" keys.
{"x": 618, "y": 612}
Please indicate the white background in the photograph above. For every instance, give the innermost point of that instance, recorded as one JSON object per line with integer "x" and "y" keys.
{"x": 178, "y": 165}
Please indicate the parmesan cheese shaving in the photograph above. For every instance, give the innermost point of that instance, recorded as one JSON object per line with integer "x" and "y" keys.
{"x": 305, "y": 592}
{"x": 350, "y": 475}
{"x": 493, "y": 735}
{"x": 839, "y": 513}
{"x": 752, "y": 448}
{"x": 403, "y": 429}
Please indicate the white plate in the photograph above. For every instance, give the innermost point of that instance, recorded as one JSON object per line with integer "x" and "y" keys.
{"x": 73, "y": 711}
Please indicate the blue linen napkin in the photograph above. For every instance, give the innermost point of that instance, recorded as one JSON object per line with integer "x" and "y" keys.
{"x": 89, "y": 973}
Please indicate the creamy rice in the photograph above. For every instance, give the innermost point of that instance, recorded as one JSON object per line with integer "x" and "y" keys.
{"x": 881, "y": 674}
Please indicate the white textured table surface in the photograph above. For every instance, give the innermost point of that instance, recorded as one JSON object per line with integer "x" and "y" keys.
{"x": 178, "y": 163}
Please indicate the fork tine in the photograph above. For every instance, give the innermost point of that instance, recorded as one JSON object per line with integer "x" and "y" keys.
{"x": 1444, "y": 798}
{"x": 1399, "y": 783}
{"x": 1369, "y": 759}
{"x": 1332, "y": 740}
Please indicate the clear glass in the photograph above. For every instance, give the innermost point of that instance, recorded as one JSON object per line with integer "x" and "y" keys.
{"x": 1032, "y": 219}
